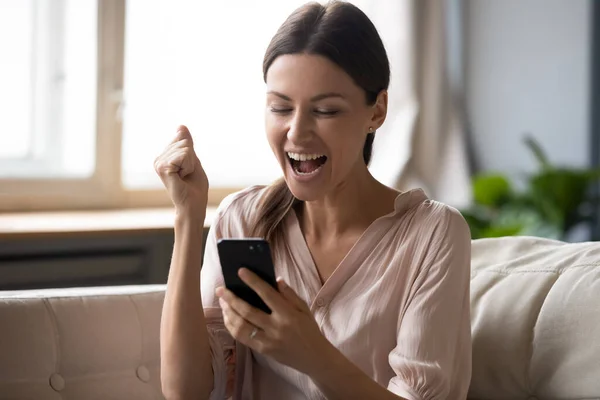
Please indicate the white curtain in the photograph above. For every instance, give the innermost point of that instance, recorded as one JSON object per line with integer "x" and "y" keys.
{"x": 423, "y": 142}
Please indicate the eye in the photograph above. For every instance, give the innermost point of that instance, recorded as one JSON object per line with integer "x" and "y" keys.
{"x": 278, "y": 110}
{"x": 327, "y": 113}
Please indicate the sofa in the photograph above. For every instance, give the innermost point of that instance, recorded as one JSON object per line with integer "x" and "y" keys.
{"x": 535, "y": 306}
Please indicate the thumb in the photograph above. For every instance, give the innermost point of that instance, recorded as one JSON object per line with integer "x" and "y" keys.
{"x": 291, "y": 296}
{"x": 182, "y": 133}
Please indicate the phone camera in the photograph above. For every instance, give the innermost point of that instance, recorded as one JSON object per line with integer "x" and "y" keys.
{"x": 251, "y": 248}
{"x": 259, "y": 247}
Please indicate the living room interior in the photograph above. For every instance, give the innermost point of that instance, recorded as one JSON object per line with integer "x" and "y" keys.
{"x": 494, "y": 109}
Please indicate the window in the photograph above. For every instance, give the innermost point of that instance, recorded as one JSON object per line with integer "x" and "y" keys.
{"x": 48, "y": 94}
{"x": 200, "y": 64}
{"x": 92, "y": 91}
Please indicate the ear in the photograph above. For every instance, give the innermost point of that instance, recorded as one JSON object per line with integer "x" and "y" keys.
{"x": 379, "y": 110}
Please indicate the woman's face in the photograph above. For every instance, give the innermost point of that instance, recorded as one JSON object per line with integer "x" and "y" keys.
{"x": 317, "y": 120}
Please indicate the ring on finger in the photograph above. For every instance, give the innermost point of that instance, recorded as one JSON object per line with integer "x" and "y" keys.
{"x": 253, "y": 333}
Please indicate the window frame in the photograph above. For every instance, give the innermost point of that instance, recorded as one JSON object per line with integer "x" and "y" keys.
{"x": 104, "y": 188}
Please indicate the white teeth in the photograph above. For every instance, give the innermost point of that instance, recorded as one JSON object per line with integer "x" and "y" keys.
{"x": 304, "y": 157}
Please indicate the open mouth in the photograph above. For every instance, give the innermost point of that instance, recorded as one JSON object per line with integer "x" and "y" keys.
{"x": 306, "y": 164}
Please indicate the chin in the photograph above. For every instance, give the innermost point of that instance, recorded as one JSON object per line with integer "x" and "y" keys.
{"x": 304, "y": 193}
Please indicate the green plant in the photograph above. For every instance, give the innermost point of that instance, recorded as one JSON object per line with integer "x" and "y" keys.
{"x": 554, "y": 200}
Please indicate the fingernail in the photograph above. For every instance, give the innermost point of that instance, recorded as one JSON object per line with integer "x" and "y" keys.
{"x": 281, "y": 281}
{"x": 219, "y": 291}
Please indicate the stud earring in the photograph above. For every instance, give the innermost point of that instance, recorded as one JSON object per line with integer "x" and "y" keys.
{"x": 370, "y": 129}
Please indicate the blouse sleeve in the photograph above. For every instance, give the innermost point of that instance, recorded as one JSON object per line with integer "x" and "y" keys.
{"x": 432, "y": 358}
{"x": 222, "y": 344}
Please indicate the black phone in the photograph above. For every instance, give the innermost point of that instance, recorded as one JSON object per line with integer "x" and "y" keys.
{"x": 254, "y": 254}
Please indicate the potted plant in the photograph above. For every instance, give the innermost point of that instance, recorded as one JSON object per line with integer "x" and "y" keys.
{"x": 554, "y": 200}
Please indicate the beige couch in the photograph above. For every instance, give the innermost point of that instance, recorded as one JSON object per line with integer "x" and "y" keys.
{"x": 535, "y": 317}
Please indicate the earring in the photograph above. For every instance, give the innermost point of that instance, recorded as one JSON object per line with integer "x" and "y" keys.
{"x": 370, "y": 129}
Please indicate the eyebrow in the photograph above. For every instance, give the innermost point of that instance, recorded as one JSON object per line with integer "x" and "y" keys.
{"x": 313, "y": 99}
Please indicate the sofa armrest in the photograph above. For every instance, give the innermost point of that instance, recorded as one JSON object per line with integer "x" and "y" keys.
{"x": 95, "y": 342}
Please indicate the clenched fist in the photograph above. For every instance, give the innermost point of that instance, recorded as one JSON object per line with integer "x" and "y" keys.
{"x": 181, "y": 172}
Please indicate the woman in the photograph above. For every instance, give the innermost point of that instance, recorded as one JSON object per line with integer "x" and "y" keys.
{"x": 373, "y": 299}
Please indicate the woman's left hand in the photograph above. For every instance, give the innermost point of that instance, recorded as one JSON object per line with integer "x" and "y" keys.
{"x": 290, "y": 334}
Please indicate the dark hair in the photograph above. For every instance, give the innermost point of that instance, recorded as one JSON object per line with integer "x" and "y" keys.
{"x": 342, "y": 33}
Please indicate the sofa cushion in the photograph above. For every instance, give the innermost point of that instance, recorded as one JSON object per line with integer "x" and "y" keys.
{"x": 535, "y": 310}
{"x": 81, "y": 343}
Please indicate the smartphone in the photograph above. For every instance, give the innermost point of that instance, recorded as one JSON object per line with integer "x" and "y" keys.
{"x": 254, "y": 254}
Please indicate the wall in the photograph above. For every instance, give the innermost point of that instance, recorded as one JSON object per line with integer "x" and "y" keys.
{"x": 527, "y": 70}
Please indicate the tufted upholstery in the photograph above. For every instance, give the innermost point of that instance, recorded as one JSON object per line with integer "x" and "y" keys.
{"x": 535, "y": 312}
{"x": 80, "y": 343}
{"x": 535, "y": 316}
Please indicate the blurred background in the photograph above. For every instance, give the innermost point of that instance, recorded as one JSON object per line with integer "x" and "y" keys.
{"x": 494, "y": 109}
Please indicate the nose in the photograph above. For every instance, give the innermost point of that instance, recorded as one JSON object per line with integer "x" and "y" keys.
{"x": 300, "y": 129}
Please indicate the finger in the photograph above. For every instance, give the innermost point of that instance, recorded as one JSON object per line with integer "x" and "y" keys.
{"x": 183, "y": 143}
{"x": 265, "y": 291}
{"x": 164, "y": 169}
{"x": 177, "y": 144}
{"x": 179, "y": 161}
{"x": 251, "y": 314}
{"x": 290, "y": 295}
{"x": 185, "y": 161}
{"x": 238, "y": 327}
{"x": 172, "y": 156}
{"x": 234, "y": 323}
{"x": 182, "y": 133}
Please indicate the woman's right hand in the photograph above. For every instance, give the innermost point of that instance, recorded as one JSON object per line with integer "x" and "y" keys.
{"x": 182, "y": 174}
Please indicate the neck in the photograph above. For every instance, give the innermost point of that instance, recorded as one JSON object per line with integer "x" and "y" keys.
{"x": 349, "y": 206}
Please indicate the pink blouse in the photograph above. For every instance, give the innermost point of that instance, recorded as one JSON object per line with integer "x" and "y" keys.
{"x": 397, "y": 305}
